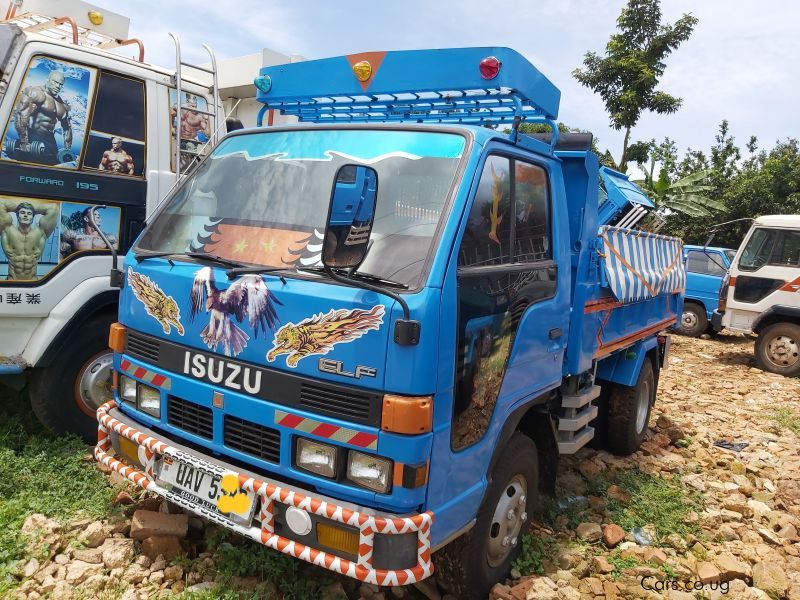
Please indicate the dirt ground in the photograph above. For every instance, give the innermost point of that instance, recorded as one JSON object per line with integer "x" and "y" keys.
{"x": 682, "y": 518}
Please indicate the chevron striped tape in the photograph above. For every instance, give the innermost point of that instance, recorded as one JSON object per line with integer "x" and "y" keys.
{"x": 351, "y": 437}
{"x": 146, "y": 375}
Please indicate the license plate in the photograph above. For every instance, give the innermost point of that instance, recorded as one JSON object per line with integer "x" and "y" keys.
{"x": 213, "y": 491}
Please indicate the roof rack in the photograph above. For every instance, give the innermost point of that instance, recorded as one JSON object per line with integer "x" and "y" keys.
{"x": 482, "y": 86}
{"x": 66, "y": 29}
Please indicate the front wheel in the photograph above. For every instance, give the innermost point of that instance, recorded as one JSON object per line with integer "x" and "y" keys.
{"x": 629, "y": 411}
{"x": 778, "y": 349}
{"x": 66, "y": 394}
{"x": 468, "y": 567}
{"x": 694, "y": 321}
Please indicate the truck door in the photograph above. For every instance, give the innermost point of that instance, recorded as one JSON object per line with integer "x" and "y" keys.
{"x": 511, "y": 320}
{"x": 705, "y": 270}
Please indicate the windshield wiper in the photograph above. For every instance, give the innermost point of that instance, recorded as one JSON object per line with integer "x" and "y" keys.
{"x": 356, "y": 275}
{"x": 143, "y": 255}
{"x": 245, "y": 270}
{"x": 214, "y": 258}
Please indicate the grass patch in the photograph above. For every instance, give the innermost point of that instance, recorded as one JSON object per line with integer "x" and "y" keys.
{"x": 535, "y": 549}
{"x": 40, "y": 473}
{"x": 786, "y": 417}
{"x": 621, "y": 563}
{"x": 254, "y": 560}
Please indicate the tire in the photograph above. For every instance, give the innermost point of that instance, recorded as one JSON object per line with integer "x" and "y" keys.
{"x": 778, "y": 349}
{"x": 65, "y": 395}
{"x": 629, "y": 411}
{"x": 694, "y": 321}
{"x": 468, "y": 567}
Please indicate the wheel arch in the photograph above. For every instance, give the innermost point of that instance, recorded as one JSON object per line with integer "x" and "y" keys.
{"x": 533, "y": 420}
{"x": 105, "y": 302}
{"x": 776, "y": 314}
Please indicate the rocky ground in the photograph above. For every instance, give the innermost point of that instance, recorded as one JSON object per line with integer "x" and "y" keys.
{"x": 681, "y": 518}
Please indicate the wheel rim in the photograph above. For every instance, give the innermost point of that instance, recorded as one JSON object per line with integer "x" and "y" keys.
{"x": 93, "y": 384}
{"x": 507, "y": 521}
{"x": 688, "y": 320}
{"x": 783, "y": 351}
{"x": 642, "y": 406}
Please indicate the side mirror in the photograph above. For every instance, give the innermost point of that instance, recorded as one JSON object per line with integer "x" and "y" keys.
{"x": 350, "y": 217}
{"x": 115, "y": 277}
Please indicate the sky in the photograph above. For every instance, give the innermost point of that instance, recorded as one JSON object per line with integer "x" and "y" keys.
{"x": 742, "y": 62}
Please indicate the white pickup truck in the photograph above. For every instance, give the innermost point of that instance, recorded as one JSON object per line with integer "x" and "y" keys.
{"x": 761, "y": 293}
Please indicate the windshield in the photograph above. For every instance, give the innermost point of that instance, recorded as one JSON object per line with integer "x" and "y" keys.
{"x": 263, "y": 198}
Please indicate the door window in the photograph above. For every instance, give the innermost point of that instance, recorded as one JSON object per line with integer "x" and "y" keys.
{"x": 786, "y": 252}
{"x": 511, "y": 210}
{"x": 705, "y": 263}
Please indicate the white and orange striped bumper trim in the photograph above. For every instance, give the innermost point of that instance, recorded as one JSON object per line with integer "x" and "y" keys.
{"x": 268, "y": 492}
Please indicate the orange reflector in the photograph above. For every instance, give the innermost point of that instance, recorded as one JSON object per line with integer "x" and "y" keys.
{"x": 410, "y": 476}
{"x": 116, "y": 337}
{"x": 362, "y": 70}
{"x": 407, "y": 414}
{"x": 129, "y": 449}
{"x": 337, "y": 538}
{"x": 114, "y": 380}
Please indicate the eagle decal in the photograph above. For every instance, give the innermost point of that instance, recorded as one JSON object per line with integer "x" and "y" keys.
{"x": 248, "y": 297}
{"x": 318, "y": 334}
{"x": 158, "y": 305}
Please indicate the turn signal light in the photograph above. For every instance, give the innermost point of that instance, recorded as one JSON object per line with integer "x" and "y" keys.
{"x": 407, "y": 414}
{"x": 116, "y": 337}
{"x": 489, "y": 67}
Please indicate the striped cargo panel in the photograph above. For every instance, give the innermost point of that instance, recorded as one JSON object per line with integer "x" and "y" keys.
{"x": 641, "y": 265}
{"x": 343, "y": 435}
{"x": 146, "y": 375}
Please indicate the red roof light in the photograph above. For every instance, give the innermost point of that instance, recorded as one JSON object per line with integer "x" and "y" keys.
{"x": 489, "y": 67}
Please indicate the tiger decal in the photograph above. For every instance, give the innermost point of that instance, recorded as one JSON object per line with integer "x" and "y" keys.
{"x": 158, "y": 305}
{"x": 319, "y": 334}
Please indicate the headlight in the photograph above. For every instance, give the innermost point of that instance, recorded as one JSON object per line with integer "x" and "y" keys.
{"x": 369, "y": 471}
{"x": 149, "y": 400}
{"x": 127, "y": 389}
{"x": 315, "y": 457}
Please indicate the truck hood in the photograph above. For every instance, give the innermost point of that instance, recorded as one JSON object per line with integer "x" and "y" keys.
{"x": 261, "y": 320}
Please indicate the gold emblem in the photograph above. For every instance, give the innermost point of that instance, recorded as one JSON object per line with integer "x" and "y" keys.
{"x": 362, "y": 70}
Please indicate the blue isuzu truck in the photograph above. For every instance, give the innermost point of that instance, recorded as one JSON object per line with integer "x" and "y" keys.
{"x": 365, "y": 340}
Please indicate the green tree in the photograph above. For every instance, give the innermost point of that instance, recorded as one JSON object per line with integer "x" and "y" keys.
{"x": 687, "y": 195}
{"x": 627, "y": 76}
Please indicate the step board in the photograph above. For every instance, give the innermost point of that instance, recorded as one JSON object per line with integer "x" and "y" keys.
{"x": 581, "y": 399}
{"x": 578, "y": 440}
{"x": 579, "y": 420}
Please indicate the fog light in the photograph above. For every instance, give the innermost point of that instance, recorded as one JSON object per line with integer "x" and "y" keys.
{"x": 315, "y": 457}
{"x": 129, "y": 450}
{"x": 149, "y": 400}
{"x": 127, "y": 389}
{"x": 337, "y": 538}
{"x": 369, "y": 471}
{"x": 298, "y": 520}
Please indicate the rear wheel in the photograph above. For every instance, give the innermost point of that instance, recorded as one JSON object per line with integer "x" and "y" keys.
{"x": 694, "y": 321}
{"x": 66, "y": 394}
{"x": 469, "y": 566}
{"x": 629, "y": 411}
{"x": 778, "y": 349}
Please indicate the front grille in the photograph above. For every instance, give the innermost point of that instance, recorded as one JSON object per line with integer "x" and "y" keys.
{"x": 344, "y": 404}
{"x": 250, "y": 438}
{"x": 140, "y": 346}
{"x": 190, "y": 417}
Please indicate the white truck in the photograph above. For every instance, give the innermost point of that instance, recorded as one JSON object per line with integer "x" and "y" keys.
{"x": 761, "y": 293}
{"x": 88, "y": 136}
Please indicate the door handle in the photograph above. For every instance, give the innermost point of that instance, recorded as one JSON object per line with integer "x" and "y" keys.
{"x": 554, "y": 333}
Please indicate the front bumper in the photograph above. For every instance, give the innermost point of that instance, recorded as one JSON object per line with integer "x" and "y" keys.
{"x": 369, "y": 523}
{"x": 716, "y": 321}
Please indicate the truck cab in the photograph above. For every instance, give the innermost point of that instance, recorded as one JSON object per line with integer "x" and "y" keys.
{"x": 90, "y": 142}
{"x": 705, "y": 268}
{"x": 760, "y": 295}
{"x": 365, "y": 340}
